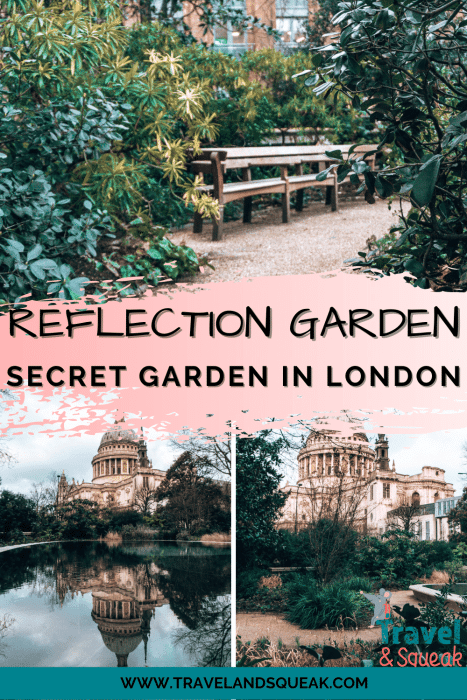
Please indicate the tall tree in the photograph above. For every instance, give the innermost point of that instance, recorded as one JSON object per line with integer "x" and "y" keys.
{"x": 457, "y": 518}
{"x": 190, "y": 500}
{"x": 333, "y": 512}
{"x": 259, "y": 499}
{"x": 16, "y": 512}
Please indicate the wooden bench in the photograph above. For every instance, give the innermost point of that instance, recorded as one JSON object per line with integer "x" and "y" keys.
{"x": 216, "y": 161}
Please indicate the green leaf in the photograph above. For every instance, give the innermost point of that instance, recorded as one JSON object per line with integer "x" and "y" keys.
{"x": 16, "y": 245}
{"x": 317, "y": 59}
{"x": 39, "y": 268}
{"x": 331, "y": 653}
{"x": 383, "y": 187}
{"x": 310, "y": 650}
{"x": 34, "y": 252}
{"x": 425, "y": 182}
{"x": 416, "y": 268}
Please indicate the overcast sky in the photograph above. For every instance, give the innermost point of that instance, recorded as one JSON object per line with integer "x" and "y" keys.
{"x": 38, "y": 453}
{"x": 412, "y": 452}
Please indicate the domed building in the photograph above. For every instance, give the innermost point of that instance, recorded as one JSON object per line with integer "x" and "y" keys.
{"x": 333, "y": 468}
{"x": 120, "y": 470}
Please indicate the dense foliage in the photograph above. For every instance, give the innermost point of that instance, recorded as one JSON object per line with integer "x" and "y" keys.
{"x": 17, "y": 513}
{"x": 405, "y": 64}
{"x": 259, "y": 498}
{"x": 87, "y": 136}
{"x": 255, "y": 93}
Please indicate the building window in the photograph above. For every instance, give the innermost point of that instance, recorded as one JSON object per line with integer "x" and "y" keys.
{"x": 415, "y": 499}
{"x": 291, "y": 19}
{"x": 145, "y": 482}
{"x": 427, "y": 530}
{"x": 386, "y": 490}
{"x": 228, "y": 39}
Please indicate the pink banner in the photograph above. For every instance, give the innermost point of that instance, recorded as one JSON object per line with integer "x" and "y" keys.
{"x": 277, "y": 347}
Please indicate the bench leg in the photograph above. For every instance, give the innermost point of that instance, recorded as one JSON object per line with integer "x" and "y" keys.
{"x": 299, "y": 193}
{"x": 198, "y": 223}
{"x": 299, "y": 200}
{"x": 218, "y": 225}
{"x": 328, "y": 195}
{"x": 286, "y": 204}
{"x": 247, "y": 209}
{"x": 335, "y": 196}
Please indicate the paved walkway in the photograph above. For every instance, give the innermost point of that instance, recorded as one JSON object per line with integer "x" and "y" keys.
{"x": 28, "y": 544}
{"x": 253, "y": 626}
{"x": 315, "y": 240}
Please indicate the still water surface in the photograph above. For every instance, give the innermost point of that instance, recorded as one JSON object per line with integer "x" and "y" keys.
{"x": 92, "y": 604}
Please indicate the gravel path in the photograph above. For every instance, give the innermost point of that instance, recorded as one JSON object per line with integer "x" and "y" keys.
{"x": 253, "y": 626}
{"x": 315, "y": 240}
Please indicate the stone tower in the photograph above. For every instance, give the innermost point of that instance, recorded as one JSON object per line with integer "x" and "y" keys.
{"x": 382, "y": 453}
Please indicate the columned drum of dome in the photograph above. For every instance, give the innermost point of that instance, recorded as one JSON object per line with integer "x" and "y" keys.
{"x": 116, "y": 457}
{"x": 328, "y": 454}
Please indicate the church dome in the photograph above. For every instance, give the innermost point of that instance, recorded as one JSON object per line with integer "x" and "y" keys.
{"x": 118, "y": 435}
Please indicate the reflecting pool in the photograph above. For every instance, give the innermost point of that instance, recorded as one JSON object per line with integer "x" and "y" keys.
{"x": 94, "y": 604}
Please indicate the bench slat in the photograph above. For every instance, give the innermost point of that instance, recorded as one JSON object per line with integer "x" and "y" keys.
{"x": 274, "y": 151}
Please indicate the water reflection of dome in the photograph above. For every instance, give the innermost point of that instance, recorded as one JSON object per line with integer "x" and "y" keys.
{"x": 120, "y": 625}
{"x": 122, "y": 646}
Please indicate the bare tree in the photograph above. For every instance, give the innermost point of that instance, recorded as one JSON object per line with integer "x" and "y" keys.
{"x": 44, "y": 493}
{"x": 405, "y": 516}
{"x": 212, "y": 452}
{"x": 145, "y": 500}
{"x": 333, "y": 509}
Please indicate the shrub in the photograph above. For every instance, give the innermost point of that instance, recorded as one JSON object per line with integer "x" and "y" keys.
{"x": 127, "y": 517}
{"x": 328, "y": 605}
{"x": 436, "y": 552}
{"x": 292, "y": 549}
{"x": 397, "y": 559}
{"x": 87, "y": 136}
{"x": 247, "y": 582}
{"x": 332, "y": 547}
{"x": 136, "y": 532}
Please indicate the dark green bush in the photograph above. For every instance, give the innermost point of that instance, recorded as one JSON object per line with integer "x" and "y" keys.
{"x": 329, "y": 605}
{"x": 247, "y": 582}
{"x": 293, "y": 549}
{"x": 127, "y": 517}
{"x": 17, "y": 514}
{"x": 397, "y": 559}
{"x": 436, "y": 552}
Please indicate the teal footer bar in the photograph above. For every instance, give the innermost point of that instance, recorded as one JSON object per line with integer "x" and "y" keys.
{"x": 274, "y": 683}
